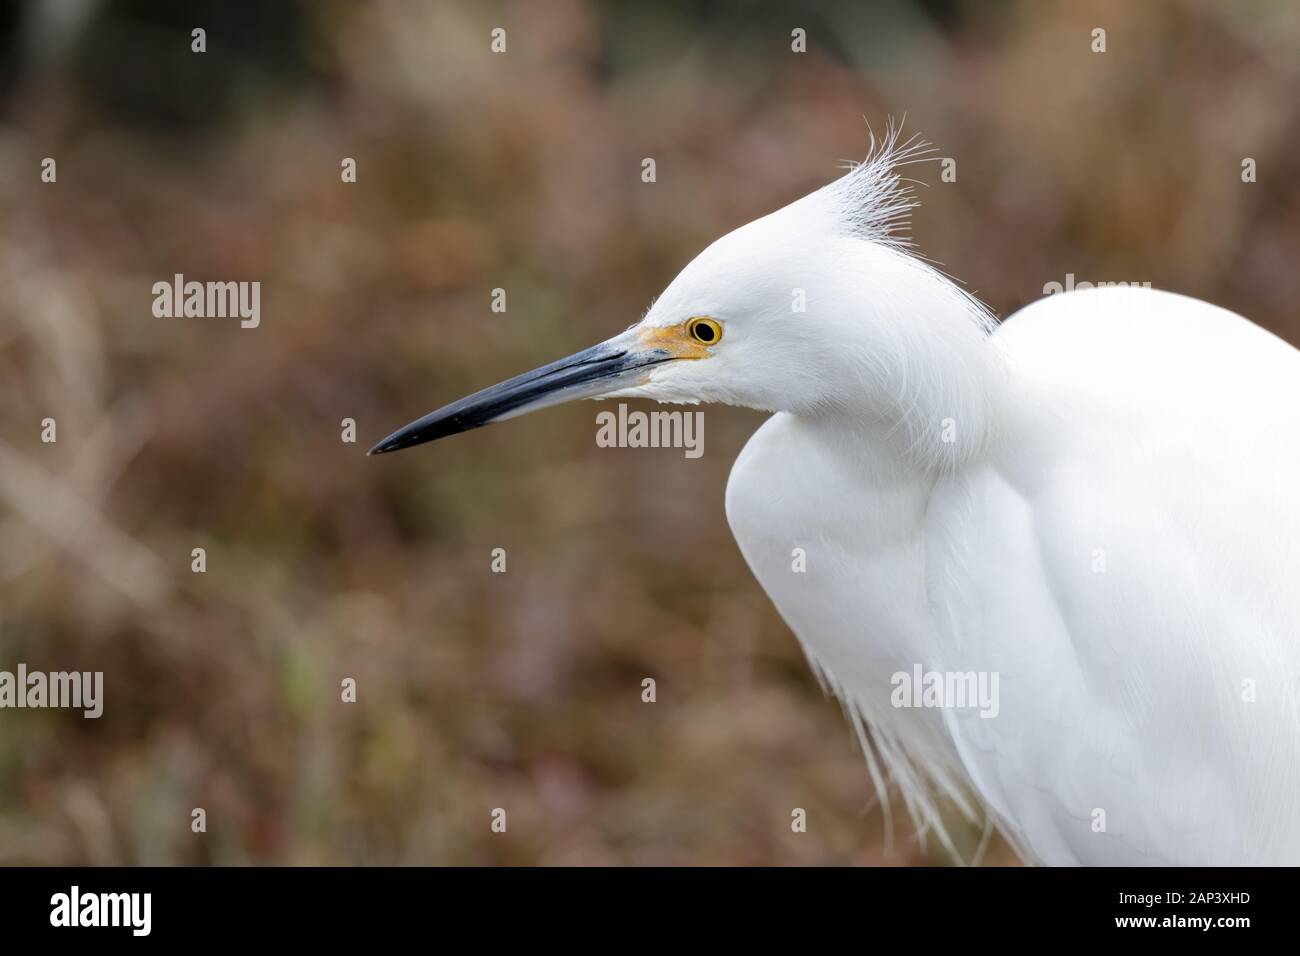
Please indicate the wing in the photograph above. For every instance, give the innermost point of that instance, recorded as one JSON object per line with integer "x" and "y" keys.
{"x": 1127, "y": 565}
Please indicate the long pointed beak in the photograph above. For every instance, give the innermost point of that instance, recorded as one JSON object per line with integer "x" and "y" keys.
{"x": 599, "y": 370}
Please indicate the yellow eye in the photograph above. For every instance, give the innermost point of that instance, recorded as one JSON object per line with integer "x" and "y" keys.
{"x": 704, "y": 330}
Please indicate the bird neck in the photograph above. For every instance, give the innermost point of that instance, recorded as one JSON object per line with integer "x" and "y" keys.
{"x": 921, "y": 367}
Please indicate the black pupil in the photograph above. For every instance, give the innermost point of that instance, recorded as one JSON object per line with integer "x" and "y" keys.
{"x": 704, "y": 332}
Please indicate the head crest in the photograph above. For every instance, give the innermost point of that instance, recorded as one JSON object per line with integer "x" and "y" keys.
{"x": 873, "y": 200}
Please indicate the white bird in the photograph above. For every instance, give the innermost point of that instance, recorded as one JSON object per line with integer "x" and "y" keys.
{"x": 1091, "y": 509}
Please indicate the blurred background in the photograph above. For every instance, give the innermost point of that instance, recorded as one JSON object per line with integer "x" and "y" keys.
{"x": 519, "y": 171}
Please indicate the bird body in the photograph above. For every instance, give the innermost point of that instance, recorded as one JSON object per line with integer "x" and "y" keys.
{"x": 1090, "y": 512}
{"x": 1123, "y": 555}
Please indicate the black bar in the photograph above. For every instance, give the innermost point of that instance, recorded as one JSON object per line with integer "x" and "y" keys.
{"x": 333, "y": 906}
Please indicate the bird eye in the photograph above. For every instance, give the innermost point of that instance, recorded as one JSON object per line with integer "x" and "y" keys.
{"x": 704, "y": 330}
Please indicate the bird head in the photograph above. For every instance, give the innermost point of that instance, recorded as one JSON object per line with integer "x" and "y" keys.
{"x": 792, "y": 312}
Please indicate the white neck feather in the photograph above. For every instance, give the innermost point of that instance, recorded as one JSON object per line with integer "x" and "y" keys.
{"x": 916, "y": 357}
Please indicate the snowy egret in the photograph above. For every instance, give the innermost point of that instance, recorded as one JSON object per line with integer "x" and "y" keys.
{"x": 1096, "y": 504}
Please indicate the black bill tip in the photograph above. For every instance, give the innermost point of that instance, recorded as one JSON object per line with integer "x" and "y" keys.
{"x": 435, "y": 425}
